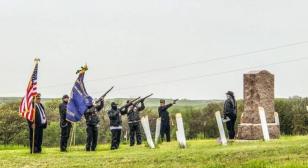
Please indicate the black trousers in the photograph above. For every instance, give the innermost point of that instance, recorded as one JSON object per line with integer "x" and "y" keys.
{"x": 230, "y": 126}
{"x": 165, "y": 130}
{"x": 115, "y": 138}
{"x": 134, "y": 131}
{"x": 65, "y": 134}
{"x": 38, "y": 139}
{"x": 92, "y": 134}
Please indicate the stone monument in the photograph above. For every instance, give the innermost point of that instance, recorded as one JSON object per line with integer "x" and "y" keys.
{"x": 258, "y": 91}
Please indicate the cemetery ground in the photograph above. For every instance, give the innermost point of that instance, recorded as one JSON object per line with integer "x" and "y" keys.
{"x": 289, "y": 151}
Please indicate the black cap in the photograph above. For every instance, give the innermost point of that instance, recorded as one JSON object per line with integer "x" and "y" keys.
{"x": 230, "y": 93}
{"x": 114, "y": 104}
{"x": 65, "y": 97}
{"x": 162, "y": 101}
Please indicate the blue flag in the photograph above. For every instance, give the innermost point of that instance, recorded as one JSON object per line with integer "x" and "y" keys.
{"x": 79, "y": 100}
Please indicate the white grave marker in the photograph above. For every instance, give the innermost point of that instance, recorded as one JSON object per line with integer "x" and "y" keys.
{"x": 276, "y": 118}
{"x": 221, "y": 128}
{"x": 180, "y": 133}
{"x": 147, "y": 131}
{"x": 264, "y": 124}
{"x": 157, "y": 131}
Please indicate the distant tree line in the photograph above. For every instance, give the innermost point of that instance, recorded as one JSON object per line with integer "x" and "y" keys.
{"x": 199, "y": 122}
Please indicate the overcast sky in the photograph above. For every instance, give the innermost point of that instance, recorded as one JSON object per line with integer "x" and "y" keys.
{"x": 116, "y": 37}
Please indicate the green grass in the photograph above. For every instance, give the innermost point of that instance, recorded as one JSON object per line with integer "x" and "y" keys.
{"x": 285, "y": 152}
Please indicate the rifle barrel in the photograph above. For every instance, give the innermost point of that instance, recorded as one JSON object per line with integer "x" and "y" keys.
{"x": 104, "y": 95}
{"x": 140, "y": 100}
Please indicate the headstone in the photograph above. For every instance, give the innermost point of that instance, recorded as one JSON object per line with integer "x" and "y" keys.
{"x": 157, "y": 131}
{"x": 264, "y": 124}
{"x": 277, "y": 118}
{"x": 147, "y": 131}
{"x": 222, "y": 134}
{"x": 180, "y": 133}
{"x": 258, "y": 92}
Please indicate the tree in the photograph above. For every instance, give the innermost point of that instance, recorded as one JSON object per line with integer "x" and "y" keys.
{"x": 11, "y": 125}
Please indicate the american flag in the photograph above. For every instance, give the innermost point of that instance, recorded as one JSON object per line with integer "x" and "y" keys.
{"x": 26, "y": 108}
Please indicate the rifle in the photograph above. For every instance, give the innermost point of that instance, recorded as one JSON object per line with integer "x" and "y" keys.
{"x": 104, "y": 95}
{"x": 131, "y": 102}
{"x": 141, "y": 100}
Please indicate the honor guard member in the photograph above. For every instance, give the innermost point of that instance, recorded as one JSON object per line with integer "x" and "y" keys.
{"x": 133, "y": 116}
{"x": 165, "y": 119}
{"x": 64, "y": 124}
{"x": 230, "y": 110}
{"x": 92, "y": 121}
{"x": 115, "y": 125}
{"x": 38, "y": 125}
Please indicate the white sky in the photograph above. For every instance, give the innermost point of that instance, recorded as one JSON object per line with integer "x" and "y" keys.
{"x": 120, "y": 36}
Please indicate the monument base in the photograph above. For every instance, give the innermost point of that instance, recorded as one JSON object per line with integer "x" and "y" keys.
{"x": 254, "y": 131}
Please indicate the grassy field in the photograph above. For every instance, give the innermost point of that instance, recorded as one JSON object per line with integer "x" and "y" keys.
{"x": 286, "y": 152}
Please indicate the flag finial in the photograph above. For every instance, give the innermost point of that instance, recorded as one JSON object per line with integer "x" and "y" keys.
{"x": 37, "y": 60}
{"x": 83, "y": 69}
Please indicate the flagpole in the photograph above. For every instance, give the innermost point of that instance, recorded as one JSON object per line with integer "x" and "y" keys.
{"x": 82, "y": 70}
{"x": 71, "y": 136}
{"x": 33, "y": 126}
{"x": 36, "y": 60}
{"x": 74, "y": 140}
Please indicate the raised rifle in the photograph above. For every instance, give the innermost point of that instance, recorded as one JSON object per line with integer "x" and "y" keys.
{"x": 131, "y": 102}
{"x": 142, "y": 100}
{"x": 104, "y": 95}
{"x": 174, "y": 101}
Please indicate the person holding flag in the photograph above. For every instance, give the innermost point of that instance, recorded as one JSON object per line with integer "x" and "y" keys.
{"x": 32, "y": 109}
{"x": 37, "y": 126}
{"x": 79, "y": 101}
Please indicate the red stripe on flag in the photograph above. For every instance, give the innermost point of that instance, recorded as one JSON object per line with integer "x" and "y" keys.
{"x": 26, "y": 106}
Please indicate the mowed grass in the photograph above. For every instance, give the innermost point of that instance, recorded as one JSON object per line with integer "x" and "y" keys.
{"x": 285, "y": 152}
